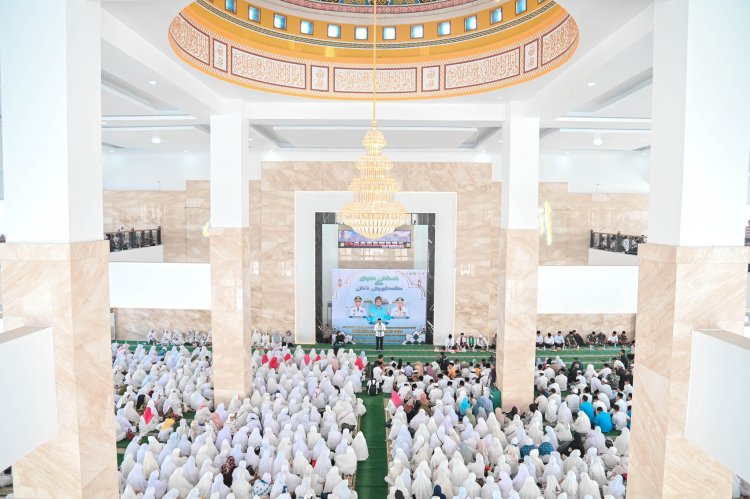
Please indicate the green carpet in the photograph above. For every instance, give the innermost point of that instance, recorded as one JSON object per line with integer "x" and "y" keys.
{"x": 371, "y": 473}
{"x": 427, "y": 353}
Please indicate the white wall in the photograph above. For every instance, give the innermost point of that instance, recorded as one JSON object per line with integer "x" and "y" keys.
{"x": 150, "y": 254}
{"x": 420, "y": 246}
{"x": 600, "y": 257}
{"x": 597, "y": 171}
{"x": 718, "y": 381}
{"x": 586, "y": 171}
{"x": 124, "y": 171}
{"x": 330, "y": 254}
{"x": 307, "y": 203}
{"x": 160, "y": 285}
{"x": 27, "y": 371}
{"x": 587, "y": 290}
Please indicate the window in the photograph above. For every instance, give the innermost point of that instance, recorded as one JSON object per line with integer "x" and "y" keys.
{"x": 279, "y": 21}
{"x": 231, "y": 5}
{"x": 360, "y": 33}
{"x": 470, "y": 23}
{"x": 334, "y": 31}
{"x": 306, "y": 27}
{"x": 520, "y": 6}
{"x": 389, "y": 33}
{"x": 253, "y": 13}
{"x": 417, "y": 31}
{"x": 444, "y": 28}
{"x": 496, "y": 16}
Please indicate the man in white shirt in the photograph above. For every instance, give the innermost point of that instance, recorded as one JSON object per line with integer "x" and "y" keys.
{"x": 449, "y": 343}
{"x": 379, "y": 329}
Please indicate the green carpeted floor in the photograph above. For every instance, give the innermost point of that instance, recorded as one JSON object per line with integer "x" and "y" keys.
{"x": 371, "y": 473}
{"x": 427, "y": 353}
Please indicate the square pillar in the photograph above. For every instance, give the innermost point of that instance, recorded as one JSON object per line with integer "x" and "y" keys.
{"x": 519, "y": 258}
{"x": 66, "y": 286}
{"x": 680, "y": 289}
{"x": 516, "y": 327}
{"x": 693, "y": 274}
{"x": 55, "y": 264}
{"x": 230, "y": 312}
{"x": 230, "y": 253}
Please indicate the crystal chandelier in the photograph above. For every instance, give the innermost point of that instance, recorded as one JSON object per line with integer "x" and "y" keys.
{"x": 374, "y": 212}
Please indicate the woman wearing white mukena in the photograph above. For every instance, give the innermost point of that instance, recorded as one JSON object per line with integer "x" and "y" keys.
{"x": 379, "y": 329}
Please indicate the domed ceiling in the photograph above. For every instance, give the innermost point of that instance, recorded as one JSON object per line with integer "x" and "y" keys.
{"x": 323, "y": 49}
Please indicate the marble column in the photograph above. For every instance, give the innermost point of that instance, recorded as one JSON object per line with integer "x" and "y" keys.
{"x": 230, "y": 254}
{"x": 693, "y": 274}
{"x": 519, "y": 258}
{"x": 230, "y": 312}
{"x": 55, "y": 264}
{"x": 516, "y": 351}
{"x": 680, "y": 289}
{"x": 66, "y": 286}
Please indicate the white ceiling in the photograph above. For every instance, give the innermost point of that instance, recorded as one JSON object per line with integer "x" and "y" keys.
{"x": 148, "y": 92}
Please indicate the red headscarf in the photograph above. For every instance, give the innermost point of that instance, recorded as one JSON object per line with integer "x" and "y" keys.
{"x": 396, "y": 399}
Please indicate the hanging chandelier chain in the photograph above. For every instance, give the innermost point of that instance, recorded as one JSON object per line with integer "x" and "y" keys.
{"x": 374, "y": 212}
{"x": 374, "y": 61}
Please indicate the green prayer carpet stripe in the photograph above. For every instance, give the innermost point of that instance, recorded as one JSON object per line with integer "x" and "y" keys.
{"x": 370, "y": 482}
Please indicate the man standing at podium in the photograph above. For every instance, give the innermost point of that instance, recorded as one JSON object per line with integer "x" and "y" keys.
{"x": 379, "y": 329}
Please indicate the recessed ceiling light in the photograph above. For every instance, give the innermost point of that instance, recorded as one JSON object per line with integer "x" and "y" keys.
{"x": 155, "y": 140}
{"x": 598, "y": 141}
{"x": 104, "y": 122}
{"x": 567, "y": 152}
{"x": 500, "y": 97}
{"x": 591, "y": 84}
{"x": 111, "y": 150}
{"x": 250, "y": 139}
{"x": 152, "y": 82}
{"x": 500, "y": 141}
{"x": 252, "y": 96}
{"x": 186, "y": 150}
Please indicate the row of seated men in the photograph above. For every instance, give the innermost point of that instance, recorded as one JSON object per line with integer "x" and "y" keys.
{"x": 463, "y": 343}
{"x": 574, "y": 340}
{"x": 271, "y": 339}
{"x": 177, "y": 338}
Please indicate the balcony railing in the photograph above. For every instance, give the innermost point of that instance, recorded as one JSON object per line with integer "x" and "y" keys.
{"x": 617, "y": 243}
{"x": 133, "y": 239}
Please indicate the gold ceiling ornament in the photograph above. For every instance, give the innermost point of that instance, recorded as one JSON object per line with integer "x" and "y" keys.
{"x": 374, "y": 211}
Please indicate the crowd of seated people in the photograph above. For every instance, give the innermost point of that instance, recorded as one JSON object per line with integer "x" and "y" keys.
{"x": 297, "y": 435}
{"x": 448, "y": 438}
{"x": 271, "y": 339}
{"x": 464, "y": 343}
{"x": 175, "y": 337}
{"x": 573, "y": 340}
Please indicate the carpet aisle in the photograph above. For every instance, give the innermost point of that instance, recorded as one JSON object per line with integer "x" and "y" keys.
{"x": 371, "y": 473}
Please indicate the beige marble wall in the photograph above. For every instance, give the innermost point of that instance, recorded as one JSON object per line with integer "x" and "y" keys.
{"x": 230, "y": 312}
{"x": 134, "y": 323}
{"x": 181, "y": 215}
{"x": 256, "y": 283}
{"x": 478, "y": 207}
{"x": 585, "y": 323}
{"x": 517, "y": 316}
{"x": 73, "y": 297}
{"x": 197, "y": 215}
{"x": 573, "y": 215}
{"x": 680, "y": 289}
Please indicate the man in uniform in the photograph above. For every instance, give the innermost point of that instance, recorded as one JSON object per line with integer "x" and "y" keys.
{"x": 357, "y": 310}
